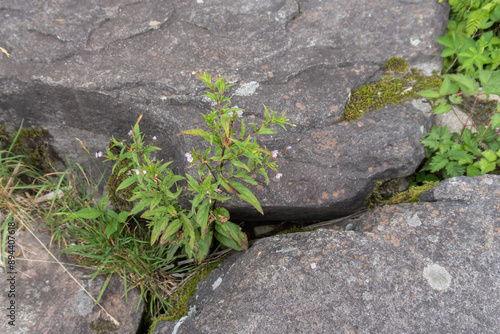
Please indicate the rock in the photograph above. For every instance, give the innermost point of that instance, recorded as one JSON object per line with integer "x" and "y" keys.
{"x": 48, "y": 300}
{"x": 89, "y": 69}
{"x": 427, "y": 267}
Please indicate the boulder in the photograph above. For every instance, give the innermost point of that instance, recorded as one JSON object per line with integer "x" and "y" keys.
{"x": 426, "y": 267}
{"x": 47, "y": 300}
{"x": 88, "y": 69}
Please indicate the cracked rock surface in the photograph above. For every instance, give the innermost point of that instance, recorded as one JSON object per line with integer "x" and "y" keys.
{"x": 427, "y": 267}
{"x": 88, "y": 69}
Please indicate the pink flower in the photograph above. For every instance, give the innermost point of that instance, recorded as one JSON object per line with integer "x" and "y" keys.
{"x": 137, "y": 172}
{"x": 189, "y": 157}
{"x": 275, "y": 153}
{"x": 98, "y": 154}
{"x": 289, "y": 148}
{"x": 279, "y": 175}
{"x": 130, "y": 133}
{"x": 154, "y": 138}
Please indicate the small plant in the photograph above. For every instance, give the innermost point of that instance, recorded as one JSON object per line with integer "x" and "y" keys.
{"x": 232, "y": 157}
{"x": 466, "y": 153}
{"x": 471, "y": 41}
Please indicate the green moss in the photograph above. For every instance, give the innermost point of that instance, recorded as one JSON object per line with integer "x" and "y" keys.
{"x": 389, "y": 89}
{"x": 378, "y": 197}
{"x": 410, "y": 195}
{"x": 33, "y": 143}
{"x": 101, "y": 326}
{"x": 297, "y": 229}
{"x": 396, "y": 65}
{"x": 180, "y": 298}
{"x": 4, "y": 138}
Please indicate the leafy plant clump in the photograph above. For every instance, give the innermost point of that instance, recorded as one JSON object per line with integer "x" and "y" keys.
{"x": 464, "y": 153}
{"x": 230, "y": 159}
{"x": 472, "y": 39}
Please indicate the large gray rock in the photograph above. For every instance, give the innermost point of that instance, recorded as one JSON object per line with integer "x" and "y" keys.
{"x": 428, "y": 267}
{"x": 47, "y": 300}
{"x": 88, "y": 69}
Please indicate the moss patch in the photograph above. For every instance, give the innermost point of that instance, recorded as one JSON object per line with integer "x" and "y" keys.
{"x": 390, "y": 89}
{"x": 378, "y": 196}
{"x": 179, "y": 300}
{"x": 101, "y": 326}
{"x": 33, "y": 143}
{"x": 396, "y": 65}
{"x": 297, "y": 229}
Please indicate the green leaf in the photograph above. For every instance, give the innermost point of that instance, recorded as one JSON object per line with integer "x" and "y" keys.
{"x": 230, "y": 188}
{"x": 455, "y": 99}
{"x": 127, "y": 182}
{"x": 448, "y": 87}
{"x": 85, "y": 213}
{"x": 111, "y": 227}
{"x": 473, "y": 171}
{"x": 242, "y": 131}
{"x": 246, "y": 195}
{"x": 495, "y": 120}
{"x": 438, "y": 162}
{"x": 442, "y": 107}
{"x": 208, "y": 136}
{"x": 189, "y": 230}
{"x": 240, "y": 164}
{"x": 467, "y": 84}
{"x": 453, "y": 169}
{"x": 429, "y": 93}
{"x": 202, "y": 217}
{"x": 485, "y": 166}
{"x": 203, "y": 247}
{"x": 490, "y": 155}
{"x": 265, "y": 131}
{"x": 172, "y": 227}
{"x": 446, "y": 41}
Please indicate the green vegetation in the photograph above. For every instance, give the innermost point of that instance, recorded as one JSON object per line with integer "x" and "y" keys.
{"x": 472, "y": 52}
{"x": 390, "y": 89}
{"x": 161, "y": 252}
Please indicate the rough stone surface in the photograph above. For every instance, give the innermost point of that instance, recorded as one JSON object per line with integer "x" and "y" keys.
{"x": 88, "y": 69}
{"x": 427, "y": 267}
{"x": 47, "y": 300}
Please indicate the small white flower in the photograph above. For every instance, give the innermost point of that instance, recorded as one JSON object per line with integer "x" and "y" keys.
{"x": 279, "y": 175}
{"x": 98, "y": 154}
{"x": 144, "y": 172}
{"x": 275, "y": 153}
{"x": 189, "y": 157}
{"x": 289, "y": 148}
{"x": 137, "y": 172}
{"x": 130, "y": 133}
{"x": 154, "y": 138}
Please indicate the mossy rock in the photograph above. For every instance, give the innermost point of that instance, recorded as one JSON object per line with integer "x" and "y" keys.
{"x": 390, "y": 89}
{"x": 33, "y": 143}
{"x": 380, "y": 194}
{"x": 180, "y": 298}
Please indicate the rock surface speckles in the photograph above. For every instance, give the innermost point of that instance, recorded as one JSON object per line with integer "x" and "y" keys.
{"x": 440, "y": 276}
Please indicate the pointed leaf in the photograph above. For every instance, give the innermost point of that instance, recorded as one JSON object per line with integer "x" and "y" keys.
{"x": 246, "y": 195}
